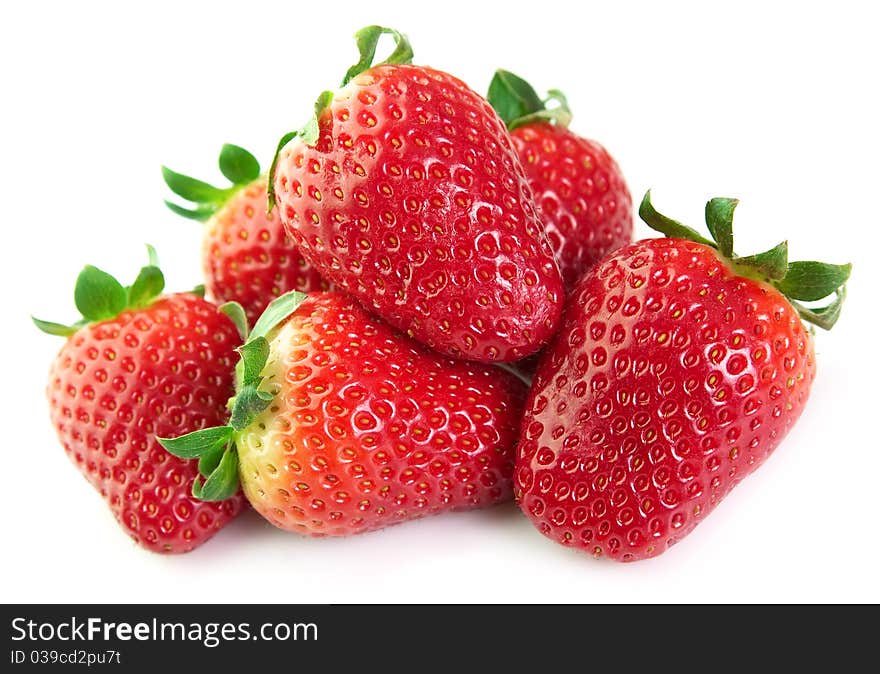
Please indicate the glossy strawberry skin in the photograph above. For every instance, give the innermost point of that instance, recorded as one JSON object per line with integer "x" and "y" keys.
{"x": 670, "y": 381}
{"x": 580, "y": 192}
{"x": 116, "y": 384}
{"x": 413, "y": 201}
{"x": 370, "y": 428}
{"x": 248, "y": 258}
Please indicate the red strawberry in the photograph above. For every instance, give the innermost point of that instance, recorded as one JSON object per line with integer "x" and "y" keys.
{"x": 678, "y": 370}
{"x": 246, "y": 256}
{"x": 135, "y": 366}
{"x": 580, "y": 192}
{"x": 406, "y": 192}
{"x": 341, "y": 425}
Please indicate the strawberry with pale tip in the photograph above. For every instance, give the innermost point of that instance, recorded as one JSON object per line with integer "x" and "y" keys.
{"x": 342, "y": 425}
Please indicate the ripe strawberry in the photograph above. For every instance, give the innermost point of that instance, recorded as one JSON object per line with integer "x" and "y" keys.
{"x": 678, "y": 369}
{"x": 580, "y": 192}
{"x": 405, "y": 191}
{"x": 342, "y": 425}
{"x": 246, "y": 256}
{"x": 138, "y": 365}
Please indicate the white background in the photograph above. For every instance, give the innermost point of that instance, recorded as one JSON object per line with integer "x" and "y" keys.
{"x": 774, "y": 103}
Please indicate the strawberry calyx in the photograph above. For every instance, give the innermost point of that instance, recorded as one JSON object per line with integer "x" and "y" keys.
{"x": 367, "y": 39}
{"x": 215, "y": 447}
{"x": 98, "y": 296}
{"x": 517, "y": 103}
{"x": 237, "y": 165}
{"x": 800, "y": 281}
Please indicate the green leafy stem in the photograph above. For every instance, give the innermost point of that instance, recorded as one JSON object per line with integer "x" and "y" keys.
{"x": 367, "y": 40}
{"x": 518, "y": 104}
{"x": 99, "y": 296}
{"x": 238, "y": 165}
{"x": 215, "y": 447}
{"x": 803, "y": 281}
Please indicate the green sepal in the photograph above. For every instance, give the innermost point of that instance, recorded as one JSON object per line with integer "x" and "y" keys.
{"x": 823, "y": 317}
{"x": 810, "y": 281}
{"x": 310, "y": 131}
{"x": 152, "y": 256}
{"x": 218, "y": 460}
{"x": 223, "y": 481}
{"x": 199, "y": 290}
{"x": 197, "y": 191}
{"x": 517, "y": 103}
{"x": 667, "y": 226}
{"x": 719, "y": 220}
{"x": 198, "y": 443}
{"x": 148, "y": 285}
{"x": 249, "y": 402}
{"x": 270, "y": 186}
{"x": 209, "y": 461}
{"x": 770, "y": 265}
{"x": 512, "y": 97}
{"x": 367, "y": 39}
{"x": 309, "y": 134}
{"x": 56, "y": 329}
{"x": 199, "y": 214}
{"x": 279, "y": 309}
{"x": 235, "y": 312}
{"x": 560, "y": 114}
{"x": 254, "y": 355}
{"x": 98, "y": 295}
{"x": 238, "y": 165}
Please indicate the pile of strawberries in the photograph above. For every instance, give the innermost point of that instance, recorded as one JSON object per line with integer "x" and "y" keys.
{"x": 430, "y": 303}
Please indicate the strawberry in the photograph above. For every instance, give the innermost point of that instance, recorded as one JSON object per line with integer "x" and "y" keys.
{"x": 342, "y": 425}
{"x": 246, "y": 256}
{"x": 405, "y": 191}
{"x": 136, "y": 365}
{"x": 580, "y": 192}
{"x": 678, "y": 370}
